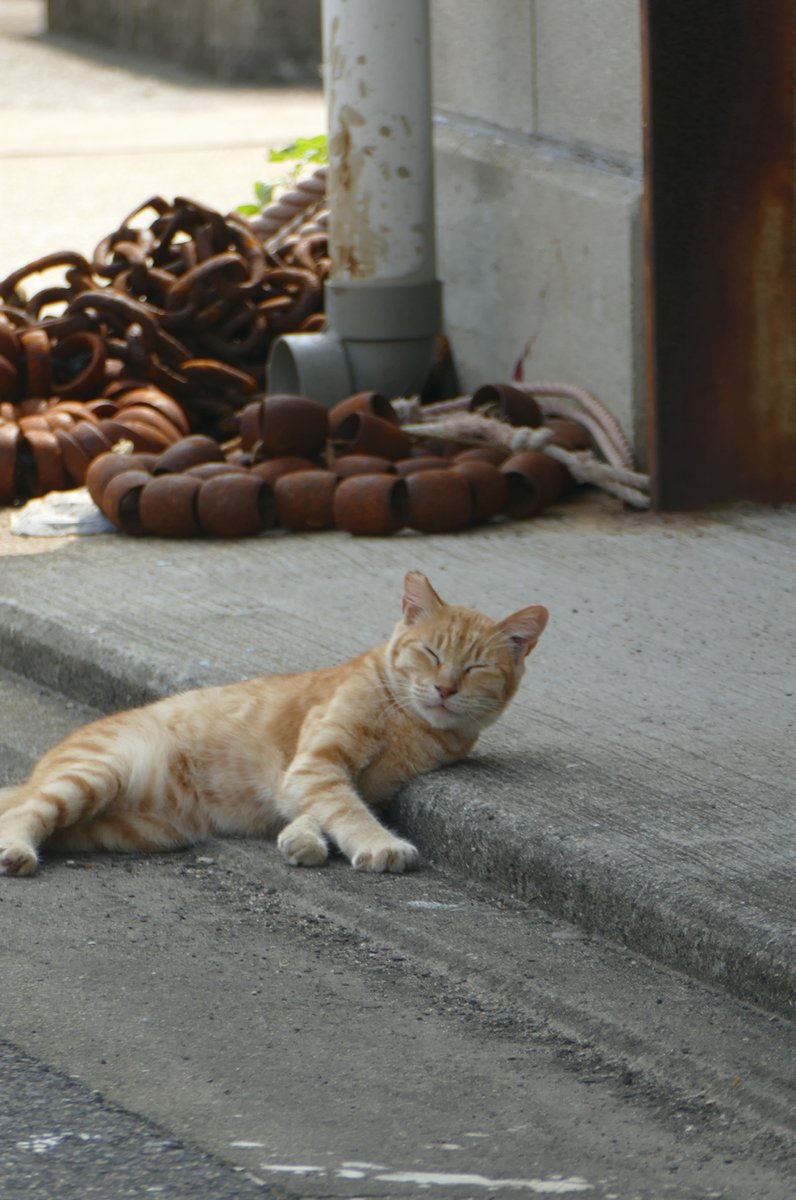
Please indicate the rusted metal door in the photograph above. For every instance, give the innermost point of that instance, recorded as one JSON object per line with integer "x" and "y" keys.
{"x": 720, "y": 145}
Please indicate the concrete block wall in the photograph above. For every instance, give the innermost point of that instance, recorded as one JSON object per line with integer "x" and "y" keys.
{"x": 538, "y": 165}
{"x": 538, "y": 176}
{"x": 261, "y": 41}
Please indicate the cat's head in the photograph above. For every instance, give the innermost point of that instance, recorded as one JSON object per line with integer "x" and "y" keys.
{"x": 454, "y": 667}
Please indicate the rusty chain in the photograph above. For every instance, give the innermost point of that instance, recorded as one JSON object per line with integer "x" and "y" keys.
{"x": 162, "y": 338}
{"x": 179, "y": 300}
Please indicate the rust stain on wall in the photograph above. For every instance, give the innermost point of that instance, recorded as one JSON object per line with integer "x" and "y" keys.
{"x": 720, "y": 99}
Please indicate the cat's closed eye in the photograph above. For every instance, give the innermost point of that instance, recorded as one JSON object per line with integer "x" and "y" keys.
{"x": 435, "y": 658}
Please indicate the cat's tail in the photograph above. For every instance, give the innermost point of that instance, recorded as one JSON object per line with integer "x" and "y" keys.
{"x": 126, "y": 831}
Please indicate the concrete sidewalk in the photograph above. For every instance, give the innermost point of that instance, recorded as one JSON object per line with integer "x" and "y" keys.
{"x": 641, "y": 785}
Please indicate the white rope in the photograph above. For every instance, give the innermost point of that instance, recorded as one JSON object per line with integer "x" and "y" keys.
{"x": 292, "y": 208}
{"x": 575, "y": 403}
{"x": 583, "y": 465}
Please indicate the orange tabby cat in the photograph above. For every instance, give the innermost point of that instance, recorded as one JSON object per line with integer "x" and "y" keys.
{"x": 302, "y": 754}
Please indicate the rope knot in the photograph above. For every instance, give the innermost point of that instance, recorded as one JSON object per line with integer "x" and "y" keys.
{"x": 525, "y": 438}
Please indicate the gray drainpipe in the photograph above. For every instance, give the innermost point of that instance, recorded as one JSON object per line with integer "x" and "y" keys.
{"x": 383, "y": 300}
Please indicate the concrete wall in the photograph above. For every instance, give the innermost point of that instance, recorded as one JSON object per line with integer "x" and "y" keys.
{"x": 265, "y": 41}
{"x": 538, "y": 146}
{"x": 538, "y": 139}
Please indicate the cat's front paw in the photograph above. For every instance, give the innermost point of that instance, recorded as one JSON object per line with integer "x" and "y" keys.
{"x": 16, "y": 858}
{"x": 302, "y": 845}
{"x": 386, "y": 854}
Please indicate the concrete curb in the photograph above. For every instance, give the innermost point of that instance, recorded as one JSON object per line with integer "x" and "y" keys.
{"x": 481, "y": 841}
{"x": 42, "y": 651}
{"x": 446, "y": 815}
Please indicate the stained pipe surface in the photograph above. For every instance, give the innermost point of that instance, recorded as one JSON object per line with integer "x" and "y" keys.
{"x": 383, "y": 299}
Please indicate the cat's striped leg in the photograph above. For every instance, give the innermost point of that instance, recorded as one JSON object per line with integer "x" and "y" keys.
{"x": 24, "y": 824}
{"x": 328, "y": 807}
{"x": 17, "y": 856}
{"x": 57, "y": 794}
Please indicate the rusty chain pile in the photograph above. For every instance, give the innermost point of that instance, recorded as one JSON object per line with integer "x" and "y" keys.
{"x": 164, "y": 332}
{"x": 157, "y": 348}
{"x": 301, "y": 467}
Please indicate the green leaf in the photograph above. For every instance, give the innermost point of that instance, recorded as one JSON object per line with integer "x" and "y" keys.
{"x": 264, "y": 191}
{"x": 299, "y": 154}
{"x": 248, "y": 210}
{"x": 314, "y": 149}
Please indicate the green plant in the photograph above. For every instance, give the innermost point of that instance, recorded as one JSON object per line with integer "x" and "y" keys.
{"x": 302, "y": 153}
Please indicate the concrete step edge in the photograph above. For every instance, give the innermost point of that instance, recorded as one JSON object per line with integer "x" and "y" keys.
{"x": 513, "y": 856}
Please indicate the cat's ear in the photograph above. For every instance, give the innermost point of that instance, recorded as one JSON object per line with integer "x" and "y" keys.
{"x": 524, "y": 628}
{"x": 420, "y": 599}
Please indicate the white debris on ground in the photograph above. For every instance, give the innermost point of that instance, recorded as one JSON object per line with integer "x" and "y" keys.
{"x": 60, "y": 513}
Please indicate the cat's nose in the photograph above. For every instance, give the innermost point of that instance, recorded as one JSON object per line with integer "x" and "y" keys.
{"x": 445, "y": 691}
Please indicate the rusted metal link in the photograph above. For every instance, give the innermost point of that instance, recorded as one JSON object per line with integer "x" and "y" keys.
{"x": 314, "y": 323}
{"x": 14, "y": 316}
{"x": 78, "y": 365}
{"x": 79, "y": 270}
{"x": 311, "y": 252}
{"x": 209, "y": 374}
{"x": 284, "y": 425}
{"x": 241, "y": 338}
{"x": 116, "y": 312}
{"x": 38, "y": 374}
{"x": 47, "y": 445}
{"x": 180, "y": 299}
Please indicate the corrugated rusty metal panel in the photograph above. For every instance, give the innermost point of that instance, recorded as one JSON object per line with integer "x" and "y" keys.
{"x": 720, "y": 129}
